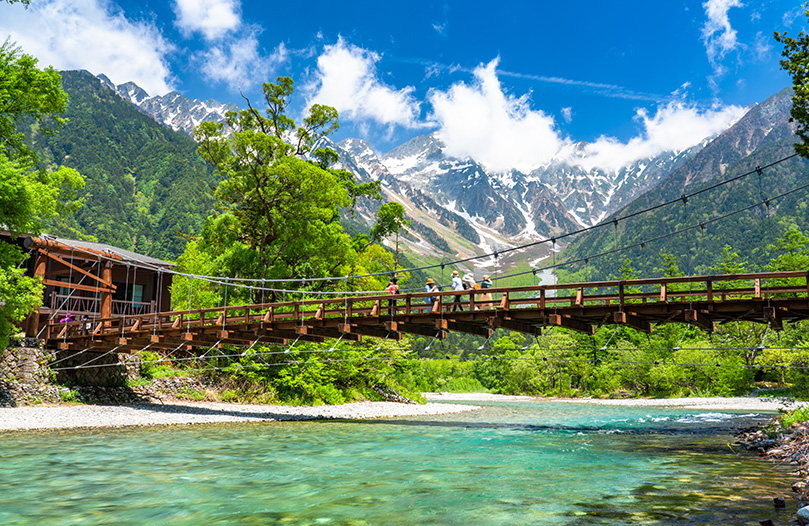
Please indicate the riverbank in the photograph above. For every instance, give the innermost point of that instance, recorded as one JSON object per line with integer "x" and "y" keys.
{"x": 66, "y": 416}
{"x": 715, "y": 404}
{"x": 187, "y": 412}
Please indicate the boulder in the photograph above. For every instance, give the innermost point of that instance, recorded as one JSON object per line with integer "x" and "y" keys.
{"x": 803, "y": 515}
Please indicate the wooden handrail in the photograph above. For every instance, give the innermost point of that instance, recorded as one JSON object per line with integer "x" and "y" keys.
{"x": 703, "y": 289}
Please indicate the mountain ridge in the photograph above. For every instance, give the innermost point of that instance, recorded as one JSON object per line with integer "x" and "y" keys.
{"x": 477, "y": 211}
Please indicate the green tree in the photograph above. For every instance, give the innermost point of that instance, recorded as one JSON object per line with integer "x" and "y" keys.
{"x": 26, "y": 92}
{"x": 27, "y": 194}
{"x": 793, "y": 251}
{"x": 796, "y": 63}
{"x": 390, "y": 219}
{"x": 280, "y": 198}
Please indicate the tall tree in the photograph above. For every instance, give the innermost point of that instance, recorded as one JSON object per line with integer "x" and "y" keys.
{"x": 26, "y": 92}
{"x": 27, "y": 193}
{"x": 281, "y": 199}
{"x": 796, "y": 63}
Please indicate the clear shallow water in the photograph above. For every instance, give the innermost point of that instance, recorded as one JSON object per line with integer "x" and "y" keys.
{"x": 510, "y": 463}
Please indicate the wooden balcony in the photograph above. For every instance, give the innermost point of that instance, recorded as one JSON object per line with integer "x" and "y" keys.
{"x": 80, "y": 306}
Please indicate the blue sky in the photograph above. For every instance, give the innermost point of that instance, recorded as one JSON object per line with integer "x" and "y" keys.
{"x": 512, "y": 84}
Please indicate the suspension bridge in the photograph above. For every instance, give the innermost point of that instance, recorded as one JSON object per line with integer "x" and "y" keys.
{"x": 702, "y": 301}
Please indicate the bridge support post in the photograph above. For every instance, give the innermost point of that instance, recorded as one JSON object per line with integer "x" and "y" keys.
{"x": 699, "y": 319}
{"x": 570, "y": 323}
{"x": 630, "y": 320}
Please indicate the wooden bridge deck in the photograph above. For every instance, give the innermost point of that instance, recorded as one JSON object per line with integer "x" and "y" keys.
{"x": 701, "y": 301}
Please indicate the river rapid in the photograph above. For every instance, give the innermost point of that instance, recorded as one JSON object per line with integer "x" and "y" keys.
{"x": 505, "y": 464}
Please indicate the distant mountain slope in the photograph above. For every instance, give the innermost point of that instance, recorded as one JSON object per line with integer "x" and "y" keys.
{"x": 145, "y": 183}
{"x": 761, "y": 137}
{"x": 476, "y": 211}
{"x": 172, "y": 109}
{"x": 460, "y": 209}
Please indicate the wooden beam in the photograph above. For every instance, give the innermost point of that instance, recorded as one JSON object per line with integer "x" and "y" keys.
{"x": 370, "y": 330}
{"x": 422, "y": 330}
{"x": 76, "y": 286}
{"x": 579, "y": 297}
{"x": 499, "y": 322}
{"x": 333, "y": 333}
{"x": 80, "y": 270}
{"x": 106, "y": 295}
{"x": 251, "y": 337}
{"x": 32, "y": 321}
{"x": 771, "y": 315}
{"x": 630, "y": 320}
{"x": 52, "y": 245}
{"x": 570, "y": 323}
{"x": 270, "y": 332}
{"x": 699, "y": 319}
{"x": 504, "y": 302}
{"x": 459, "y": 326}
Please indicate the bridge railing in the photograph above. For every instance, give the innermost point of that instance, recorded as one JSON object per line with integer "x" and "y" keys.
{"x": 695, "y": 289}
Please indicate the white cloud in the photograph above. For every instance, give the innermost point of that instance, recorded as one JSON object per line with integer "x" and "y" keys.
{"x": 717, "y": 34}
{"x": 500, "y": 131}
{"x": 674, "y": 127}
{"x": 346, "y": 79}
{"x": 212, "y": 18}
{"x": 238, "y": 62}
{"x": 762, "y": 47}
{"x": 91, "y": 35}
{"x": 567, "y": 114}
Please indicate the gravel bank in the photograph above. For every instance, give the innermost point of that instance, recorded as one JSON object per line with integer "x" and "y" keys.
{"x": 186, "y": 412}
{"x": 717, "y": 404}
{"x": 182, "y": 413}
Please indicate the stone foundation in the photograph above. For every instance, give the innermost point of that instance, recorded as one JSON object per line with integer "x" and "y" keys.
{"x": 28, "y": 374}
{"x": 24, "y": 361}
{"x": 96, "y": 369}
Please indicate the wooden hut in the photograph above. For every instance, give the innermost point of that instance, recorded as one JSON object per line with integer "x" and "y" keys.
{"x": 92, "y": 280}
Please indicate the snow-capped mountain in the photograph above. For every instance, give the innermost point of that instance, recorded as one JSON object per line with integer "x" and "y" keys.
{"x": 590, "y": 195}
{"x": 176, "y": 111}
{"x": 493, "y": 211}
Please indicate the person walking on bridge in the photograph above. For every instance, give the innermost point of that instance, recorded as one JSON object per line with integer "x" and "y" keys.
{"x": 430, "y": 287}
{"x": 457, "y": 284}
{"x": 392, "y": 288}
{"x": 486, "y": 299}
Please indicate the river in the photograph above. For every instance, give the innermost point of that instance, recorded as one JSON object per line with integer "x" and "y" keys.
{"x": 508, "y": 463}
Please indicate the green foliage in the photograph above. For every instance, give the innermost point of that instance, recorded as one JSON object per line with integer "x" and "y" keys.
{"x": 69, "y": 396}
{"x": 797, "y": 416}
{"x": 435, "y": 375}
{"x": 314, "y": 374}
{"x": 796, "y": 63}
{"x": 281, "y": 200}
{"x": 153, "y": 365}
{"x": 146, "y": 185}
{"x": 26, "y": 93}
{"x": 28, "y": 196}
{"x": 793, "y": 251}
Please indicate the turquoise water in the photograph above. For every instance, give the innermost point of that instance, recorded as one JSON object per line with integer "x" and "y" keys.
{"x": 507, "y": 464}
